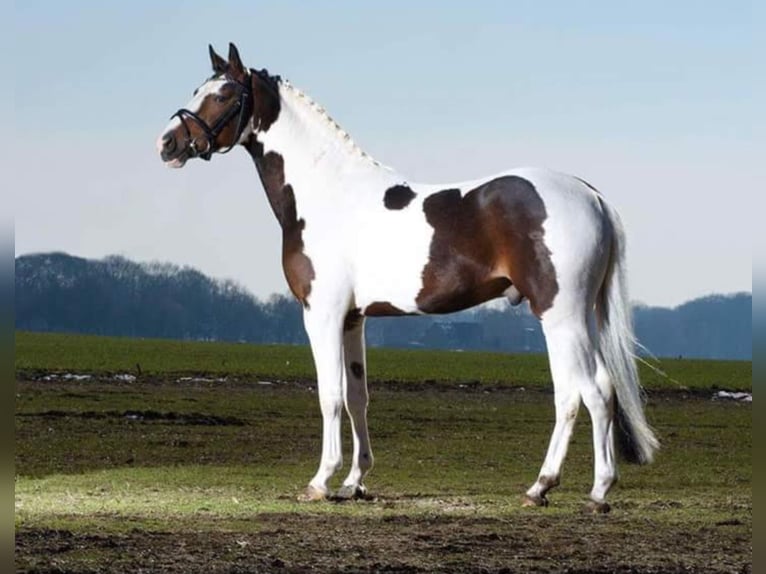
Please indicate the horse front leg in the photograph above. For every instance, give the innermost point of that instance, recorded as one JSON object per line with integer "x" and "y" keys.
{"x": 325, "y": 330}
{"x": 356, "y": 399}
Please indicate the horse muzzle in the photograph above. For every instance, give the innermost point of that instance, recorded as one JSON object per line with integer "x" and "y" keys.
{"x": 173, "y": 153}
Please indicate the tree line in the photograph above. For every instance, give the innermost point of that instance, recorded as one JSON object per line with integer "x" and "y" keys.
{"x": 119, "y": 297}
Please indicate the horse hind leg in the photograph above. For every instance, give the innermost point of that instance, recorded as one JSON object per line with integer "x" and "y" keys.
{"x": 602, "y": 401}
{"x": 577, "y": 375}
{"x": 567, "y": 403}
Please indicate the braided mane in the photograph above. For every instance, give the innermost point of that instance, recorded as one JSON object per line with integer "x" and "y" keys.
{"x": 322, "y": 114}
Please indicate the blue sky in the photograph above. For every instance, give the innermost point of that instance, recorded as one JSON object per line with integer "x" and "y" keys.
{"x": 659, "y": 104}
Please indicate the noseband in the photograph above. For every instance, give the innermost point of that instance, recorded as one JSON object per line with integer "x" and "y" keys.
{"x": 243, "y": 107}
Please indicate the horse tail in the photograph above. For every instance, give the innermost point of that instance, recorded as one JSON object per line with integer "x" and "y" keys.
{"x": 635, "y": 438}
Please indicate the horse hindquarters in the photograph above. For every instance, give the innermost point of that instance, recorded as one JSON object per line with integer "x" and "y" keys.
{"x": 590, "y": 344}
{"x": 579, "y": 239}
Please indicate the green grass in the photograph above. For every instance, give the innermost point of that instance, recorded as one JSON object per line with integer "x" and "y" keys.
{"x": 140, "y": 462}
{"x": 477, "y": 450}
{"x": 81, "y": 353}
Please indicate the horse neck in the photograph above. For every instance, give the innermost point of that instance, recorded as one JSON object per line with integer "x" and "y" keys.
{"x": 318, "y": 159}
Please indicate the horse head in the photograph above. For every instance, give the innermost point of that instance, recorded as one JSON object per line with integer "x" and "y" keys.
{"x": 217, "y": 117}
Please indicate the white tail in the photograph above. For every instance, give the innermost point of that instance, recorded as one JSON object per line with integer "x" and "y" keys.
{"x": 636, "y": 439}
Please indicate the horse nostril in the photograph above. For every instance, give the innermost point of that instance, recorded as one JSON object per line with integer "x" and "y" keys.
{"x": 168, "y": 143}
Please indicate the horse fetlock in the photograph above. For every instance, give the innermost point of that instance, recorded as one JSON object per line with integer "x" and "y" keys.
{"x": 602, "y": 486}
{"x": 547, "y": 482}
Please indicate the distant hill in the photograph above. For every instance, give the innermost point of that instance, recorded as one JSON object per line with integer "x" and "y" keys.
{"x": 716, "y": 326}
{"x": 116, "y": 296}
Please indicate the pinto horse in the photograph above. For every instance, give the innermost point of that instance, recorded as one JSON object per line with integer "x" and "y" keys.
{"x": 360, "y": 240}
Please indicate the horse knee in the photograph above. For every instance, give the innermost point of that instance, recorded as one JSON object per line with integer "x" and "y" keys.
{"x": 331, "y": 405}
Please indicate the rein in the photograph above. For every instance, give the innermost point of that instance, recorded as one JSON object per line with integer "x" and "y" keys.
{"x": 244, "y": 102}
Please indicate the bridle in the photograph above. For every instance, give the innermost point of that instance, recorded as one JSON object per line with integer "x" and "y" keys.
{"x": 243, "y": 107}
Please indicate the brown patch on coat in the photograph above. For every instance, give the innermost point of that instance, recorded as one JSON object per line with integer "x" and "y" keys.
{"x": 484, "y": 242}
{"x": 398, "y": 197}
{"x": 297, "y": 266}
{"x": 357, "y": 369}
{"x": 353, "y": 320}
{"x": 382, "y": 309}
{"x": 211, "y": 111}
{"x": 266, "y": 101}
{"x": 219, "y": 113}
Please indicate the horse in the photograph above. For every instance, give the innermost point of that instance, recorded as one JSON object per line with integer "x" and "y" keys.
{"x": 360, "y": 240}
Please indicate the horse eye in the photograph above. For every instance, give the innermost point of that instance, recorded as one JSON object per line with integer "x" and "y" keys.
{"x": 220, "y": 99}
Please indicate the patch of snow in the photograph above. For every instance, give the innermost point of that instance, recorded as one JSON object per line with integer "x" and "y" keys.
{"x": 125, "y": 377}
{"x": 67, "y": 377}
{"x": 733, "y": 396}
{"x": 201, "y": 380}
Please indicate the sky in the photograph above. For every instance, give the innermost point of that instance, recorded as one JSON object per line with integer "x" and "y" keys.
{"x": 658, "y": 104}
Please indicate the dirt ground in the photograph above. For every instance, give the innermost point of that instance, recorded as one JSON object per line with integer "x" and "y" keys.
{"x": 306, "y": 543}
{"x": 652, "y": 540}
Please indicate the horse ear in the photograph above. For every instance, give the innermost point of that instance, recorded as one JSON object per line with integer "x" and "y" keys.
{"x": 219, "y": 64}
{"x": 235, "y": 63}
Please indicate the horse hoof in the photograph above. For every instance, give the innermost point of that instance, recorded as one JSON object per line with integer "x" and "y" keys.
{"x": 539, "y": 501}
{"x": 312, "y": 494}
{"x": 352, "y": 492}
{"x": 593, "y": 507}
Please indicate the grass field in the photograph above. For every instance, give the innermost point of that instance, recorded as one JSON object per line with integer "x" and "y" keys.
{"x": 82, "y": 353}
{"x": 177, "y": 473}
